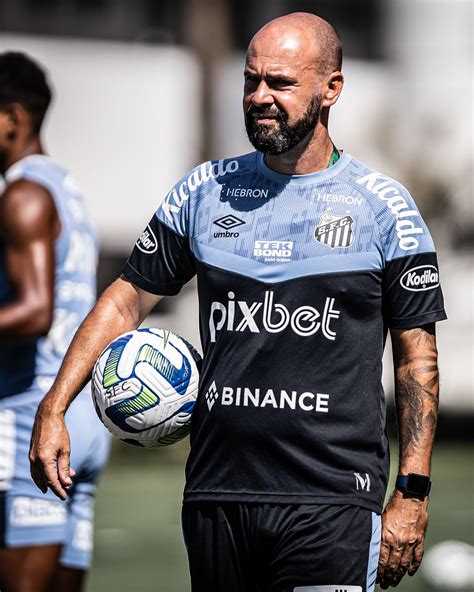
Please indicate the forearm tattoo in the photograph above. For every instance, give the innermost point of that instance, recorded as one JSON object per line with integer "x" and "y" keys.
{"x": 416, "y": 383}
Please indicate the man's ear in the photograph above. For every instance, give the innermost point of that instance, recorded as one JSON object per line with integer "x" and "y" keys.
{"x": 333, "y": 88}
{"x": 16, "y": 118}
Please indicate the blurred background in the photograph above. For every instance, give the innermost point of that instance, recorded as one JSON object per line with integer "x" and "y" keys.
{"x": 146, "y": 89}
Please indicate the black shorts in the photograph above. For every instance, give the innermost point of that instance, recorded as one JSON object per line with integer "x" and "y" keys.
{"x": 248, "y": 547}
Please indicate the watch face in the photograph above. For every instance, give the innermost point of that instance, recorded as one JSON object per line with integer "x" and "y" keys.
{"x": 417, "y": 484}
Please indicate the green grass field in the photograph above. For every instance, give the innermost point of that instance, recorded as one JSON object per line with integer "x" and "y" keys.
{"x": 139, "y": 546}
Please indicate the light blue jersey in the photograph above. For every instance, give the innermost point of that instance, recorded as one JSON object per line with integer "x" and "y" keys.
{"x": 26, "y": 365}
{"x": 27, "y": 370}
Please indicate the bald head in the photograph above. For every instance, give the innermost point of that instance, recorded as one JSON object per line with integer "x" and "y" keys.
{"x": 292, "y": 78}
{"x": 301, "y": 35}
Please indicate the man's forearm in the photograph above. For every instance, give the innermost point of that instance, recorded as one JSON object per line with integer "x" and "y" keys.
{"x": 405, "y": 518}
{"x": 416, "y": 388}
{"x": 24, "y": 320}
{"x": 114, "y": 314}
{"x": 121, "y": 308}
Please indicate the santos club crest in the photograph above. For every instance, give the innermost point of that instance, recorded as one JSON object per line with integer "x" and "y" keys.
{"x": 334, "y": 231}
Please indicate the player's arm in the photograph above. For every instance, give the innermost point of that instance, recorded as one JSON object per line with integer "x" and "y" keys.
{"x": 416, "y": 390}
{"x": 29, "y": 225}
{"x": 159, "y": 265}
{"x": 122, "y": 307}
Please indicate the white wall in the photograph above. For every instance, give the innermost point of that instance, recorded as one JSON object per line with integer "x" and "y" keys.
{"x": 431, "y": 42}
{"x": 125, "y": 119}
{"x": 356, "y": 124}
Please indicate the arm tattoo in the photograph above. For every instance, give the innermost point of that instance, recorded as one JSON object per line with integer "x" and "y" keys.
{"x": 416, "y": 384}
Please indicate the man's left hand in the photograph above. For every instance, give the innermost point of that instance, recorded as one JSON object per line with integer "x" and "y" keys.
{"x": 404, "y": 523}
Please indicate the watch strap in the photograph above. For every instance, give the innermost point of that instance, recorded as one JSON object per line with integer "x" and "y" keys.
{"x": 414, "y": 484}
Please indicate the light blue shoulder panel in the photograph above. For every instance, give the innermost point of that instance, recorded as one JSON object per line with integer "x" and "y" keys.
{"x": 273, "y": 227}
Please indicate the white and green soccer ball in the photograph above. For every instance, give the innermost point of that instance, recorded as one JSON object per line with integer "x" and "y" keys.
{"x": 144, "y": 387}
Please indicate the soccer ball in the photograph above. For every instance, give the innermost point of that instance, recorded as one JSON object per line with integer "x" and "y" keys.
{"x": 449, "y": 566}
{"x": 144, "y": 387}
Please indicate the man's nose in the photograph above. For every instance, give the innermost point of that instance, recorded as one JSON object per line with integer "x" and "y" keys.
{"x": 262, "y": 94}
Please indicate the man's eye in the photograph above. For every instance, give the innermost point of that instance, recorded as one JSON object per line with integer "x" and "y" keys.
{"x": 280, "y": 82}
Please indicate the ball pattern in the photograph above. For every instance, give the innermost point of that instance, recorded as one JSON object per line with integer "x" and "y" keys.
{"x": 144, "y": 387}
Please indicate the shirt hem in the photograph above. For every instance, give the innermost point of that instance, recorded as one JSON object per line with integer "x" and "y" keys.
{"x": 423, "y": 319}
{"x": 130, "y": 274}
{"x": 278, "y": 498}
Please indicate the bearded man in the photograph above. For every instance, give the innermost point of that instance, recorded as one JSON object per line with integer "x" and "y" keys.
{"x": 305, "y": 258}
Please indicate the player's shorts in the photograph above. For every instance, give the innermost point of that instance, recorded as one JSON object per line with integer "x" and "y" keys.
{"x": 27, "y": 516}
{"x": 250, "y": 547}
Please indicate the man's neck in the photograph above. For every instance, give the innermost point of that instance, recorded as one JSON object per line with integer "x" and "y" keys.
{"x": 27, "y": 148}
{"x": 310, "y": 156}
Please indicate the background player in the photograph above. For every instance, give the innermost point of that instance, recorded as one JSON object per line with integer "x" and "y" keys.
{"x": 298, "y": 346}
{"x": 48, "y": 257}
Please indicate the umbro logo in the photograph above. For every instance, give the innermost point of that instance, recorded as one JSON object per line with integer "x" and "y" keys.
{"x": 212, "y": 395}
{"x": 228, "y": 222}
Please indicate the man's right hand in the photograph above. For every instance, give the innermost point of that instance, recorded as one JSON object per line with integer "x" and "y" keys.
{"x": 50, "y": 453}
{"x": 122, "y": 307}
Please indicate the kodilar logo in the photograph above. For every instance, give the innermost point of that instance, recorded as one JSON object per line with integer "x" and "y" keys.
{"x": 335, "y": 231}
{"x": 420, "y": 279}
{"x": 147, "y": 242}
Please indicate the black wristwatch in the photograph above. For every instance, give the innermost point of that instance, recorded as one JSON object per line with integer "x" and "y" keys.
{"x": 414, "y": 485}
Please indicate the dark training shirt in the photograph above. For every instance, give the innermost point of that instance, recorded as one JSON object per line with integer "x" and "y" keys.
{"x": 299, "y": 278}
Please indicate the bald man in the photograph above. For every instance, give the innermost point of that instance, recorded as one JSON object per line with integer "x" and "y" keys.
{"x": 304, "y": 257}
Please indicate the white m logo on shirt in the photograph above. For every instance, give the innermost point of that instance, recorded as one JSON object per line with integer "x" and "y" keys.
{"x": 362, "y": 481}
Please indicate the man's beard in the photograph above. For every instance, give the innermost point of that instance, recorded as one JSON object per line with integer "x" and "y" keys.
{"x": 282, "y": 137}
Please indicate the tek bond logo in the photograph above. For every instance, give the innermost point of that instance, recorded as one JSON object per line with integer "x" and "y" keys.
{"x": 240, "y": 316}
{"x": 280, "y": 251}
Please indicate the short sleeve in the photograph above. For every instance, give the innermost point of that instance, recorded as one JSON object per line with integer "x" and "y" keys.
{"x": 162, "y": 261}
{"x": 412, "y": 294}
